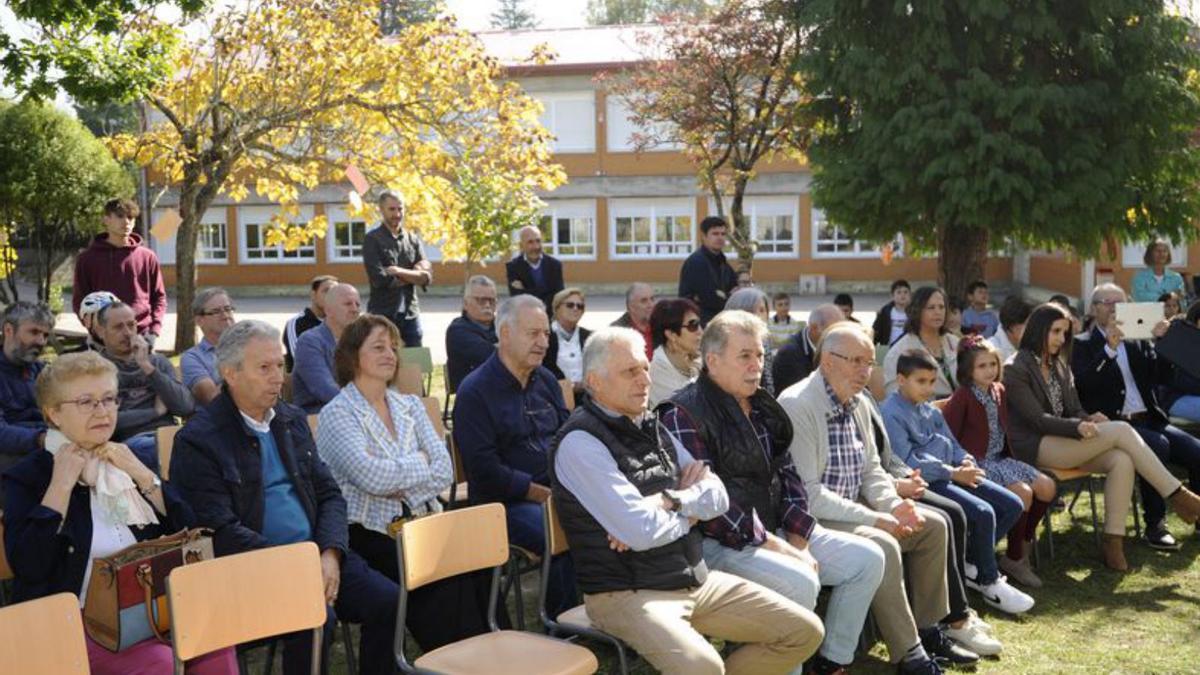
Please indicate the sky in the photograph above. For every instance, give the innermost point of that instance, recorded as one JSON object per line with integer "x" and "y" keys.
{"x": 476, "y": 14}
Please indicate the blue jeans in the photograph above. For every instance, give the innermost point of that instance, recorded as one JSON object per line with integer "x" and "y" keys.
{"x": 525, "y": 529}
{"x": 1171, "y": 445}
{"x": 991, "y": 512}
{"x": 853, "y": 565}
{"x": 1187, "y": 407}
{"x": 145, "y": 448}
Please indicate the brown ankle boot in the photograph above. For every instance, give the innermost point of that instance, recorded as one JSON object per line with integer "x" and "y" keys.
{"x": 1113, "y": 548}
{"x": 1186, "y": 504}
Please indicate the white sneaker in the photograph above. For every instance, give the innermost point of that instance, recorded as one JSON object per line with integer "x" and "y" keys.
{"x": 970, "y": 574}
{"x": 974, "y": 637}
{"x": 974, "y": 619}
{"x": 1006, "y": 598}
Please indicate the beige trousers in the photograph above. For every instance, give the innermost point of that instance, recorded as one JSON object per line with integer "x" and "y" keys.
{"x": 668, "y": 627}
{"x": 1118, "y": 452}
{"x": 922, "y": 555}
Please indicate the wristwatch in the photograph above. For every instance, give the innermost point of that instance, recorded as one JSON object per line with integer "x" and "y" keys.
{"x": 155, "y": 486}
{"x": 676, "y": 503}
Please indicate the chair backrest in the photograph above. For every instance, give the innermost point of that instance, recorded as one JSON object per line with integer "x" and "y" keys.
{"x": 433, "y": 409}
{"x": 420, "y": 357}
{"x": 43, "y": 637}
{"x": 460, "y": 470}
{"x": 245, "y": 597}
{"x": 286, "y": 392}
{"x": 409, "y": 380}
{"x": 166, "y": 444}
{"x": 568, "y": 391}
{"x": 312, "y": 424}
{"x": 451, "y": 543}
{"x": 556, "y": 538}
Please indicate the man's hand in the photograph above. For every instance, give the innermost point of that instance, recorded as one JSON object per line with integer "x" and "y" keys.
{"x": 141, "y": 354}
{"x": 967, "y": 475}
{"x": 912, "y": 487}
{"x": 693, "y": 473}
{"x": 1114, "y": 335}
{"x": 617, "y": 545}
{"x": 331, "y": 574}
{"x": 394, "y": 271}
{"x": 1160, "y": 328}
{"x": 889, "y": 524}
{"x": 908, "y": 516}
{"x": 537, "y": 493}
{"x": 798, "y": 548}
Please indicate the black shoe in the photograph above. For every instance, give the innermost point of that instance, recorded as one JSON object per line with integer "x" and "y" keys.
{"x": 939, "y": 646}
{"x": 926, "y": 667}
{"x": 1159, "y": 537}
{"x": 819, "y": 665}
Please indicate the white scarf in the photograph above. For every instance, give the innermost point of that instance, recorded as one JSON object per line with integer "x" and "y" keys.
{"x": 116, "y": 493}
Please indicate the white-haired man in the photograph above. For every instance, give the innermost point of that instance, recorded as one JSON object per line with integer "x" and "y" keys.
{"x": 533, "y": 271}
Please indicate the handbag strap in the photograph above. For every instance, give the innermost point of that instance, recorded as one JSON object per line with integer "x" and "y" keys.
{"x": 146, "y": 581}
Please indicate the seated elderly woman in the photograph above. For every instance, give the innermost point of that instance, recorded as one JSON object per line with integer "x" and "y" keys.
{"x": 564, "y": 356}
{"x": 675, "y": 329}
{"x": 83, "y": 497}
{"x": 390, "y": 464}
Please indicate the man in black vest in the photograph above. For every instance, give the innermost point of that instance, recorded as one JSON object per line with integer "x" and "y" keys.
{"x": 533, "y": 271}
{"x": 628, "y": 498}
{"x": 728, "y": 421}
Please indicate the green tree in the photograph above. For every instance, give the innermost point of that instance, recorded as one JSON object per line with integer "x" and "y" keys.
{"x": 54, "y": 178}
{"x": 513, "y": 15}
{"x": 610, "y": 12}
{"x": 975, "y": 122}
{"x": 394, "y": 15}
{"x": 94, "y": 50}
{"x": 725, "y": 90}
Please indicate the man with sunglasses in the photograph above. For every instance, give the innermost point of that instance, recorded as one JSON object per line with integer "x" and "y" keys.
{"x": 27, "y": 328}
{"x": 214, "y": 313}
{"x": 533, "y": 271}
{"x": 471, "y": 338}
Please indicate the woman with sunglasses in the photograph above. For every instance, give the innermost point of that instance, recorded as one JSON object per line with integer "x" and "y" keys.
{"x": 564, "y": 356}
{"x": 675, "y": 329}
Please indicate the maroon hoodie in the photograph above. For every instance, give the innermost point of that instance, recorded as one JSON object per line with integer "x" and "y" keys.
{"x": 130, "y": 272}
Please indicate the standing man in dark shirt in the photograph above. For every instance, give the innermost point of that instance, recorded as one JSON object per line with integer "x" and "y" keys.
{"x": 706, "y": 278}
{"x": 533, "y": 271}
{"x": 311, "y": 317}
{"x": 396, "y": 265}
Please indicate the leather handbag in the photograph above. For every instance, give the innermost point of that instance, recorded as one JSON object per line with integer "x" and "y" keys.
{"x": 126, "y": 598}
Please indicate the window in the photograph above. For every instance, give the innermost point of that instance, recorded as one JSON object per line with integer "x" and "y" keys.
{"x": 652, "y": 228}
{"x": 831, "y": 241}
{"x": 256, "y": 222}
{"x": 211, "y": 244}
{"x": 620, "y": 128}
{"x": 569, "y": 229}
{"x": 345, "y": 235}
{"x": 772, "y": 224}
{"x": 571, "y": 118}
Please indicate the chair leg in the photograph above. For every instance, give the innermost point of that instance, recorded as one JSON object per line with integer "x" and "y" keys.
{"x": 1096, "y": 529}
{"x": 1137, "y": 519}
{"x": 519, "y": 600}
{"x": 348, "y": 644}
{"x": 1050, "y": 532}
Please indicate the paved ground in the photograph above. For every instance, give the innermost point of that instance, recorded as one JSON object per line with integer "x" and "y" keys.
{"x": 438, "y": 312}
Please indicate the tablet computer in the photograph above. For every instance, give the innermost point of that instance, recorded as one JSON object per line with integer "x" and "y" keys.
{"x": 1137, "y": 319}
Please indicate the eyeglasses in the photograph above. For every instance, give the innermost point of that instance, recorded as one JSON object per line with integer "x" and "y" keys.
{"x": 574, "y": 305}
{"x": 1108, "y": 302}
{"x": 485, "y": 302}
{"x": 692, "y": 326}
{"x": 227, "y": 309}
{"x": 858, "y": 362}
{"x": 91, "y": 405}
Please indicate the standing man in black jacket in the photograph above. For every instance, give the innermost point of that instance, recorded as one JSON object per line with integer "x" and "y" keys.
{"x": 248, "y": 466}
{"x": 706, "y": 277}
{"x": 396, "y": 265}
{"x": 534, "y": 272}
{"x": 1120, "y": 378}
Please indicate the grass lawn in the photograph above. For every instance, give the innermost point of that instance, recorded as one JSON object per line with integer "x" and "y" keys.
{"x": 1087, "y": 619}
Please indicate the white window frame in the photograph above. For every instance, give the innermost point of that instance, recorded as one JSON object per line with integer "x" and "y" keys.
{"x": 334, "y": 214}
{"x": 653, "y": 209}
{"x": 550, "y": 104}
{"x": 572, "y": 209}
{"x": 860, "y": 249}
{"x": 1131, "y": 255}
{"x": 619, "y": 127}
{"x": 167, "y": 250}
{"x": 754, "y": 206}
{"x": 261, "y": 217}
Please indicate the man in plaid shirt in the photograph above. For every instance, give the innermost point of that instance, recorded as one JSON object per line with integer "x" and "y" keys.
{"x": 767, "y": 535}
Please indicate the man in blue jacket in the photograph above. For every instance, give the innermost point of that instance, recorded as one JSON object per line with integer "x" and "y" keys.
{"x": 505, "y": 418}
{"x": 247, "y": 464}
{"x": 471, "y": 338}
{"x": 27, "y": 327}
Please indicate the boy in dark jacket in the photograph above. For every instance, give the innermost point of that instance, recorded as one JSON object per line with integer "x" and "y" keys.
{"x": 706, "y": 278}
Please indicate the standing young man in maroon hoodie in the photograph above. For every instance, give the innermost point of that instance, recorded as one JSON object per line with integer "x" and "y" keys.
{"x": 117, "y": 262}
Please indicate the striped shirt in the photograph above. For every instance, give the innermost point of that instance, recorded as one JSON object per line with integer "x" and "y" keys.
{"x": 380, "y": 473}
{"x": 843, "y": 474}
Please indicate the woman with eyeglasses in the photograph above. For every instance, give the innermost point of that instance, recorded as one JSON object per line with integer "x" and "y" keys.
{"x": 675, "y": 329}
{"x": 83, "y": 497}
{"x": 564, "y": 356}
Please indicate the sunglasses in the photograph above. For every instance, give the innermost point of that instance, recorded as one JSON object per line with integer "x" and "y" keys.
{"x": 692, "y": 326}
{"x": 574, "y": 305}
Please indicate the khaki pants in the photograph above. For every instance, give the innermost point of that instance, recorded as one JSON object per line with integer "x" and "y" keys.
{"x": 668, "y": 627}
{"x": 922, "y": 555}
{"x": 1118, "y": 452}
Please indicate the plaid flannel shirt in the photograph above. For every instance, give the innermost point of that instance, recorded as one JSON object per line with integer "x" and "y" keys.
{"x": 843, "y": 474}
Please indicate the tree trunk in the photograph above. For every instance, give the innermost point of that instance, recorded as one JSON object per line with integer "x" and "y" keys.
{"x": 739, "y": 230}
{"x": 962, "y": 256}
{"x": 185, "y": 266}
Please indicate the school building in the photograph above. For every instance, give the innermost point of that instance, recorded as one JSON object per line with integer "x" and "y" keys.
{"x": 622, "y": 216}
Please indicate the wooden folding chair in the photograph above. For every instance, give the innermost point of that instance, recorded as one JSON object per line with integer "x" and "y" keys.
{"x": 43, "y": 637}
{"x": 568, "y": 392}
{"x": 433, "y": 409}
{"x": 1082, "y": 480}
{"x": 246, "y": 597}
{"x": 286, "y": 392}
{"x": 409, "y": 380}
{"x": 448, "y": 406}
{"x": 458, "y": 492}
{"x": 574, "y": 621}
{"x": 423, "y": 359}
{"x": 166, "y": 444}
{"x": 312, "y": 424}
{"x": 451, "y": 543}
